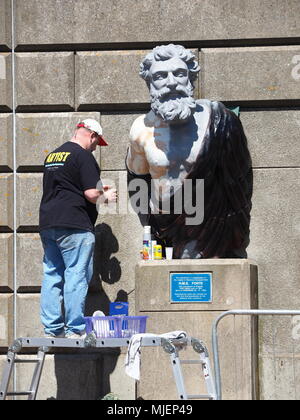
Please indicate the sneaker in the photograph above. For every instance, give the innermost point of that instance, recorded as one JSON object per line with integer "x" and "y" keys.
{"x": 62, "y": 335}
{"x": 78, "y": 336}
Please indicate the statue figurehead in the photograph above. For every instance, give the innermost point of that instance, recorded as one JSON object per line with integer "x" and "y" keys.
{"x": 170, "y": 72}
{"x": 179, "y": 143}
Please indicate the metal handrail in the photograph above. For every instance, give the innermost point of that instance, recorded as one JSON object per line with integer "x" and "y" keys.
{"x": 215, "y": 345}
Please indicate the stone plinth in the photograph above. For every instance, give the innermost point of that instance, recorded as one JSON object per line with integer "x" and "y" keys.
{"x": 234, "y": 286}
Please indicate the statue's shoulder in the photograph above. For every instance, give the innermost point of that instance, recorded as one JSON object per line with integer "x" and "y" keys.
{"x": 137, "y": 127}
{"x": 141, "y": 124}
{"x": 206, "y": 103}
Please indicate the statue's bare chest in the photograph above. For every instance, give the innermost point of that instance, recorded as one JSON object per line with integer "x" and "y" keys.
{"x": 171, "y": 151}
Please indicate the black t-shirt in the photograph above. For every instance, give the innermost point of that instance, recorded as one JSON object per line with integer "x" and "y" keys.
{"x": 68, "y": 172}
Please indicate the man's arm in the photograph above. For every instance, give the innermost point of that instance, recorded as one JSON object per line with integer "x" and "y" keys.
{"x": 92, "y": 195}
{"x": 108, "y": 195}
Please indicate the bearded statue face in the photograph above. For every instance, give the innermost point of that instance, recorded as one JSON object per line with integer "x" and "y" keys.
{"x": 171, "y": 91}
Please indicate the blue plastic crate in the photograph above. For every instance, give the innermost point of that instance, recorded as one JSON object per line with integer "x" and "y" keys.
{"x": 118, "y": 308}
{"x": 131, "y": 325}
{"x": 103, "y": 326}
{"x": 116, "y": 326}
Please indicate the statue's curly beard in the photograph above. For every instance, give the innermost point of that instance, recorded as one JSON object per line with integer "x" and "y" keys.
{"x": 173, "y": 105}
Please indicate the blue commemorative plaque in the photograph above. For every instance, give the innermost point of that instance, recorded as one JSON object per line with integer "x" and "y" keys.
{"x": 191, "y": 287}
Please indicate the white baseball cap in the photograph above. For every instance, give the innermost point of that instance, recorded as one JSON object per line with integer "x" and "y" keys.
{"x": 93, "y": 125}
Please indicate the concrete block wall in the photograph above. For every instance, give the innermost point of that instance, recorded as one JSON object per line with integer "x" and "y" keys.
{"x": 67, "y": 69}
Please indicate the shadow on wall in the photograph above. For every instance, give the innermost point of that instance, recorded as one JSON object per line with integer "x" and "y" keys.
{"x": 85, "y": 375}
{"x": 107, "y": 269}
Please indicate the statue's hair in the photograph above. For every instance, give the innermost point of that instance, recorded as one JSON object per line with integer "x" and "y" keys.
{"x": 166, "y": 52}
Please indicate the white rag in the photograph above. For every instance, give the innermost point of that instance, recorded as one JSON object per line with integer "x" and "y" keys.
{"x": 133, "y": 357}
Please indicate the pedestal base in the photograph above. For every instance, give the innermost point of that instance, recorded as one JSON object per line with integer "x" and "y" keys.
{"x": 234, "y": 286}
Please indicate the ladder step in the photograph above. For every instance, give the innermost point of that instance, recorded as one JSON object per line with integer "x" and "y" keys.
{"x": 191, "y": 362}
{"x": 19, "y": 394}
{"x": 199, "y": 397}
{"x": 26, "y": 361}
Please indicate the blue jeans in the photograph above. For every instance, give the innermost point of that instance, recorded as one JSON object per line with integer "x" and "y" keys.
{"x": 68, "y": 269}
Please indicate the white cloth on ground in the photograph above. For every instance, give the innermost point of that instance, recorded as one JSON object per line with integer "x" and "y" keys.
{"x": 133, "y": 357}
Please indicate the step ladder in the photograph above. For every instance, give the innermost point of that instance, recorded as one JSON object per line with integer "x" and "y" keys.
{"x": 173, "y": 347}
{"x": 11, "y": 361}
{"x": 44, "y": 345}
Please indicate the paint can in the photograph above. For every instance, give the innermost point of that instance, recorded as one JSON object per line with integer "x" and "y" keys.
{"x": 157, "y": 252}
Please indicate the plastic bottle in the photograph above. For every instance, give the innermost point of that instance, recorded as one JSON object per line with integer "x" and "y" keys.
{"x": 153, "y": 244}
{"x": 147, "y": 243}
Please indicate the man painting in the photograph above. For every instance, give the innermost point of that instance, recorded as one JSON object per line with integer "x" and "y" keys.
{"x": 183, "y": 139}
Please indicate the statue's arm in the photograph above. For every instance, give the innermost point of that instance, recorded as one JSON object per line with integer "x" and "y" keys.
{"x": 136, "y": 160}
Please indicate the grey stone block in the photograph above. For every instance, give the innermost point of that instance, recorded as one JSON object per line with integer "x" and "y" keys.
{"x": 28, "y": 315}
{"x": 274, "y": 240}
{"x": 45, "y": 79}
{"x": 117, "y": 128}
{"x": 275, "y": 245}
{"x": 281, "y": 335}
{"x": 111, "y": 77}
{"x": 6, "y": 201}
{"x": 5, "y": 23}
{"x": 6, "y": 252}
{"x": 119, "y": 240}
{"x": 215, "y": 20}
{"x": 5, "y": 81}
{"x": 279, "y": 377}
{"x": 29, "y": 195}
{"x": 39, "y": 134}
{"x": 6, "y": 141}
{"x": 108, "y": 77}
{"x": 258, "y": 73}
{"x": 273, "y": 137}
{"x": 155, "y": 20}
{"x": 29, "y": 262}
{"x": 6, "y": 319}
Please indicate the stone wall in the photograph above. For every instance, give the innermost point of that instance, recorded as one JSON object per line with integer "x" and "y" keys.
{"x": 74, "y": 59}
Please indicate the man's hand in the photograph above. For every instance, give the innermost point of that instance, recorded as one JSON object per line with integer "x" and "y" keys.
{"x": 107, "y": 195}
{"x": 110, "y": 194}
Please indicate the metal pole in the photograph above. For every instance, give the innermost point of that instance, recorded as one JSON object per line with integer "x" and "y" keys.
{"x": 13, "y": 76}
{"x": 215, "y": 344}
